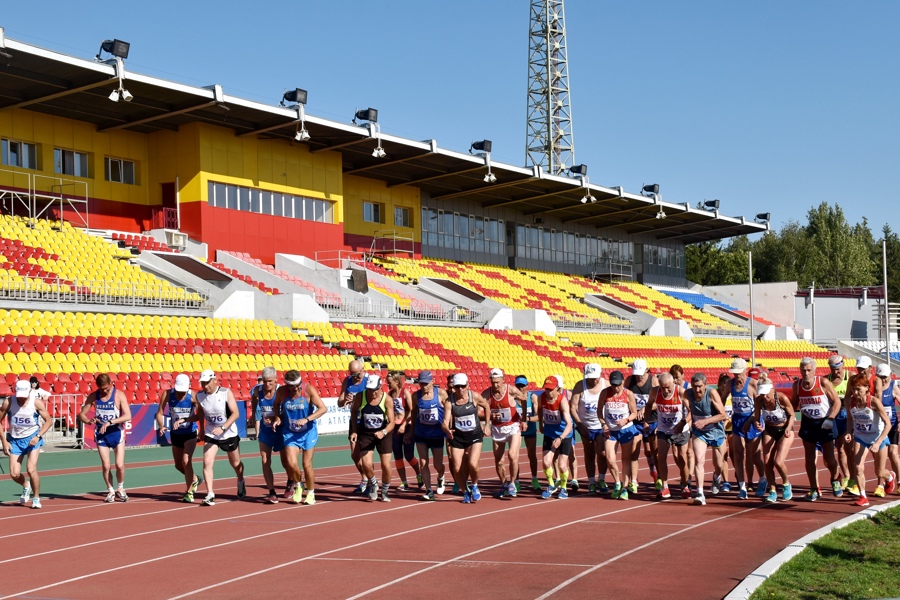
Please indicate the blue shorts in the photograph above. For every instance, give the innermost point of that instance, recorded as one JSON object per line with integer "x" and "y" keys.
{"x": 623, "y": 436}
{"x": 737, "y": 427}
{"x": 19, "y": 446}
{"x": 271, "y": 438}
{"x": 840, "y": 422}
{"x": 868, "y": 444}
{"x": 593, "y": 434}
{"x": 713, "y": 438}
{"x": 647, "y": 432}
{"x": 305, "y": 440}
{"x": 110, "y": 439}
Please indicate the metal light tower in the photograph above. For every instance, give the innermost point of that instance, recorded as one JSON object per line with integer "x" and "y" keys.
{"x": 549, "y": 141}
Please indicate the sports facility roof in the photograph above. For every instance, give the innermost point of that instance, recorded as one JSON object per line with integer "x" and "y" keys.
{"x": 49, "y": 82}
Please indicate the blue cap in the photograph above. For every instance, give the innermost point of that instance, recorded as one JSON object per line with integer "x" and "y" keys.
{"x": 425, "y": 377}
{"x": 521, "y": 380}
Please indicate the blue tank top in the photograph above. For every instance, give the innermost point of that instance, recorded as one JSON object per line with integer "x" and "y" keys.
{"x": 295, "y": 410}
{"x": 702, "y": 409}
{"x": 431, "y": 415}
{"x": 181, "y": 409}
{"x": 265, "y": 407}
{"x": 741, "y": 402}
{"x": 105, "y": 410}
{"x": 887, "y": 399}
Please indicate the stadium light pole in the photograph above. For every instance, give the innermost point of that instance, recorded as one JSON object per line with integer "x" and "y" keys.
{"x": 887, "y": 327}
{"x": 752, "y": 337}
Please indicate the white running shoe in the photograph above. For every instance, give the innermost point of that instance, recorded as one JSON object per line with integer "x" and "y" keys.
{"x": 110, "y": 497}
{"x": 26, "y": 494}
{"x": 36, "y": 503}
{"x": 440, "y": 486}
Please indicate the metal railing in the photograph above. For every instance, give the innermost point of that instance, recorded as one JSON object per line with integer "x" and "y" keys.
{"x": 54, "y": 289}
{"x": 345, "y": 308}
{"x": 719, "y": 332}
{"x": 592, "y": 323}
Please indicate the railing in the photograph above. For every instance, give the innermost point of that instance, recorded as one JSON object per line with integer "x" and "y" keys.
{"x": 339, "y": 259}
{"x": 34, "y": 194}
{"x": 54, "y": 289}
{"x": 345, "y": 308}
{"x": 164, "y": 218}
{"x": 719, "y": 332}
{"x": 592, "y": 323}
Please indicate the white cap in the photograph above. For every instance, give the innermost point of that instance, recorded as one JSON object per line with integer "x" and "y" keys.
{"x": 863, "y": 362}
{"x": 183, "y": 383}
{"x": 373, "y": 382}
{"x": 559, "y": 378}
{"x": 460, "y": 379}
{"x": 207, "y": 375}
{"x": 496, "y": 373}
{"x": 738, "y": 365}
{"x": 639, "y": 367}
{"x": 23, "y": 388}
{"x": 883, "y": 370}
{"x": 592, "y": 371}
{"x": 764, "y": 389}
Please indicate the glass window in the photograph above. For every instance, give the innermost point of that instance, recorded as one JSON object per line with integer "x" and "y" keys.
{"x": 254, "y": 200}
{"x": 372, "y": 212}
{"x": 232, "y": 193}
{"x": 277, "y": 205}
{"x": 402, "y": 216}
{"x": 244, "y": 199}
{"x": 299, "y": 201}
{"x": 117, "y": 170}
{"x": 265, "y": 203}
{"x": 320, "y": 210}
{"x": 19, "y": 154}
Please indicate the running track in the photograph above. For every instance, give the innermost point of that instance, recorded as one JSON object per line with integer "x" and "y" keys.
{"x": 345, "y": 547}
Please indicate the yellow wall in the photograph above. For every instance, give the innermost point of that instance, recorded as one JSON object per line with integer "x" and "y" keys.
{"x": 175, "y": 155}
{"x": 358, "y": 190}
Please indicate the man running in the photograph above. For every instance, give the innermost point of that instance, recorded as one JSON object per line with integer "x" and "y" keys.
{"x": 640, "y": 382}
{"x": 26, "y": 436}
{"x": 530, "y": 417}
{"x": 839, "y": 378}
{"x": 707, "y": 429}
{"x": 296, "y": 413}
{"x": 111, "y": 411}
{"x": 423, "y": 425}
{"x": 463, "y": 429}
{"x": 262, "y": 409}
{"x": 506, "y": 429}
{"x": 180, "y": 405}
{"x": 353, "y": 384}
{"x": 890, "y": 397}
{"x": 819, "y": 405}
{"x": 673, "y": 430}
{"x": 618, "y": 411}
{"x": 556, "y": 425}
{"x": 744, "y": 440}
{"x": 584, "y": 405}
{"x": 371, "y": 432}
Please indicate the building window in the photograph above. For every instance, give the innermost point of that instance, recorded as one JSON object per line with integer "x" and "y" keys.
{"x": 253, "y": 200}
{"x": 69, "y": 162}
{"x": 119, "y": 171}
{"x": 372, "y": 212}
{"x": 402, "y": 216}
{"x": 19, "y": 154}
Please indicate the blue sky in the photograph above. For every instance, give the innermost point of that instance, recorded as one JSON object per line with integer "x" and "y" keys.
{"x": 767, "y": 106}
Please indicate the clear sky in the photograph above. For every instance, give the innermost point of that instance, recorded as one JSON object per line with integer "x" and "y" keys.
{"x": 769, "y": 106}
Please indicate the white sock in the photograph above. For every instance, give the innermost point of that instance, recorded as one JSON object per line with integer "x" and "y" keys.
{"x": 742, "y": 485}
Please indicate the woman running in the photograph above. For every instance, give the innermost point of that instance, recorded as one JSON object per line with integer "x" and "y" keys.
{"x": 465, "y": 432}
{"x": 777, "y": 415}
{"x": 618, "y": 410}
{"x": 403, "y": 451}
{"x": 866, "y": 420}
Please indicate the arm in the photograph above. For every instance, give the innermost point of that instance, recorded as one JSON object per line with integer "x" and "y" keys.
{"x": 573, "y": 408}
{"x": 407, "y": 399}
{"x": 4, "y": 408}
{"x": 254, "y": 402}
{"x": 276, "y": 407}
{"x": 632, "y": 409}
{"x": 160, "y": 413}
{"x": 194, "y": 418}
{"x": 879, "y": 408}
{"x": 389, "y": 414}
{"x": 316, "y": 400}
{"x": 717, "y": 403}
{"x": 231, "y": 403}
{"x": 480, "y": 401}
{"x": 448, "y": 416}
{"x": 757, "y": 409}
{"x": 789, "y": 409}
{"x": 85, "y": 408}
{"x": 41, "y": 410}
{"x": 828, "y": 388}
{"x": 124, "y": 412}
{"x": 567, "y": 415}
{"x": 345, "y": 397}
{"x": 688, "y": 417}
{"x": 354, "y": 416}
{"x": 411, "y": 416}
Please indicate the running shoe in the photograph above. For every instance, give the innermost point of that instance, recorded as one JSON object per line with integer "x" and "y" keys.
{"x": 26, "y": 494}
{"x": 297, "y": 496}
{"x": 700, "y": 500}
{"x": 427, "y": 496}
{"x": 563, "y": 494}
{"x": 742, "y": 494}
{"x": 714, "y": 486}
{"x": 517, "y": 486}
{"x": 664, "y": 493}
{"x": 891, "y": 485}
{"x": 845, "y": 483}
{"x": 467, "y": 499}
{"x": 686, "y": 492}
{"x": 836, "y": 489}
{"x": 786, "y": 492}
{"x": 420, "y": 482}
{"x": 502, "y": 492}
{"x": 575, "y": 485}
{"x": 208, "y": 501}
{"x": 772, "y": 496}
{"x": 197, "y": 481}
{"x": 270, "y": 499}
{"x": 373, "y": 491}
{"x": 455, "y": 491}
{"x": 360, "y": 490}
{"x": 623, "y": 495}
{"x": 403, "y": 487}
{"x": 617, "y": 491}
{"x": 36, "y": 503}
{"x": 852, "y": 488}
{"x": 535, "y": 484}
{"x": 726, "y": 487}
{"x": 310, "y": 498}
{"x": 384, "y": 495}
{"x": 548, "y": 493}
{"x": 110, "y": 497}
{"x": 602, "y": 488}
{"x": 633, "y": 487}
{"x": 242, "y": 489}
{"x": 476, "y": 493}
{"x": 512, "y": 490}
{"x": 812, "y": 496}
{"x": 289, "y": 490}
{"x": 188, "y": 497}
{"x": 121, "y": 495}
{"x": 763, "y": 484}
{"x": 441, "y": 486}
{"x": 654, "y": 474}
{"x": 659, "y": 485}
{"x": 861, "y": 501}
{"x": 879, "y": 491}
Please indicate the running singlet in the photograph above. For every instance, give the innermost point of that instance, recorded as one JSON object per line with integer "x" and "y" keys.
{"x": 642, "y": 396}
{"x": 23, "y": 420}
{"x": 773, "y": 416}
{"x": 867, "y": 424}
{"x": 552, "y": 416}
{"x": 399, "y": 408}
{"x": 373, "y": 417}
{"x": 616, "y": 408}
{"x": 265, "y": 408}
{"x": 887, "y": 400}
{"x": 670, "y": 411}
{"x": 181, "y": 409}
{"x": 295, "y": 410}
{"x": 431, "y": 415}
{"x": 106, "y": 411}
{"x": 702, "y": 409}
{"x": 814, "y": 403}
{"x": 465, "y": 416}
{"x": 503, "y": 411}
{"x": 587, "y": 409}
{"x": 741, "y": 402}
{"x": 215, "y": 412}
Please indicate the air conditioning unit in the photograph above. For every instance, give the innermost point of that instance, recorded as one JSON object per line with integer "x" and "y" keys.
{"x": 176, "y": 239}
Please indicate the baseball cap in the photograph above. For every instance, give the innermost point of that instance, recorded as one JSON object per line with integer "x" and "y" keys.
{"x": 460, "y": 379}
{"x": 883, "y": 370}
{"x": 551, "y": 383}
{"x": 863, "y": 362}
{"x": 373, "y": 382}
{"x": 639, "y": 367}
{"x": 425, "y": 377}
{"x": 753, "y": 373}
{"x": 182, "y": 383}
{"x": 592, "y": 371}
{"x": 559, "y": 379}
{"x": 496, "y": 373}
{"x": 521, "y": 380}
{"x": 616, "y": 378}
{"x": 835, "y": 360}
{"x": 738, "y": 365}
{"x": 23, "y": 388}
{"x": 207, "y": 375}
{"x": 765, "y": 389}
{"x": 698, "y": 377}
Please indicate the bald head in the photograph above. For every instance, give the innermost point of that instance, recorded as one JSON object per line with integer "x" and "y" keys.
{"x": 665, "y": 378}
{"x": 355, "y": 366}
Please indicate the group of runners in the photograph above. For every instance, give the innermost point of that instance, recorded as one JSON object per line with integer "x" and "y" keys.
{"x": 743, "y": 418}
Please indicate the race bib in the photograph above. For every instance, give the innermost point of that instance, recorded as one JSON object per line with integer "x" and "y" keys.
{"x": 181, "y": 413}
{"x": 669, "y": 421}
{"x": 552, "y": 417}
{"x": 614, "y": 417}
{"x": 105, "y": 416}
{"x": 729, "y": 411}
{"x": 398, "y": 406}
{"x": 590, "y": 407}
{"x": 501, "y": 415}
{"x": 373, "y": 421}
{"x": 466, "y": 423}
{"x": 640, "y": 400}
{"x": 813, "y": 411}
{"x": 890, "y": 412}
{"x": 770, "y": 416}
{"x": 215, "y": 420}
{"x": 23, "y": 421}
{"x": 428, "y": 416}
{"x": 742, "y": 405}
{"x": 295, "y": 426}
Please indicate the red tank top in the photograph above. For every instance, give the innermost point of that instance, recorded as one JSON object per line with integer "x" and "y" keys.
{"x": 503, "y": 411}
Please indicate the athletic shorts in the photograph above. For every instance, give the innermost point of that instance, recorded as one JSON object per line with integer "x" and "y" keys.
{"x": 714, "y": 438}
{"x": 737, "y": 427}
{"x": 593, "y": 434}
{"x": 504, "y": 433}
{"x": 647, "y": 433}
{"x": 565, "y": 445}
{"x": 305, "y": 440}
{"x": 840, "y": 422}
{"x": 531, "y": 430}
{"x": 776, "y": 432}
{"x": 465, "y": 439}
{"x": 228, "y": 444}
{"x": 811, "y": 431}
{"x": 624, "y": 435}
{"x": 110, "y": 439}
{"x": 893, "y": 435}
{"x": 180, "y": 439}
{"x": 19, "y": 446}
{"x": 402, "y": 450}
{"x": 674, "y": 439}
{"x": 271, "y": 438}
{"x": 369, "y": 442}
{"x": 429, "y": 442}
{"x": 868, "y": 443}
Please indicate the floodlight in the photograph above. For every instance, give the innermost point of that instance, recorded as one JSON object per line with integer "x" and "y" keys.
{"x": 765, "y": 217}
{"x": 661, "y": 214}
{"x": 490, "y": 178}
{"x": 653, "y": 188}
{"x": 366, "y": 114}
{"x": 302, "y": 135}
{"x": 114, "y": 95}
{"x": 713, "y": 204}
{"x": 126, "y": 95}
{"x": 116, "y": 48}
{"x": 379, "y": 152}
{"x": 579, "y": 170}
{"x": 588, "y": 198}
{"x": 295, "y": 96}
{"x": 482, "y": 146}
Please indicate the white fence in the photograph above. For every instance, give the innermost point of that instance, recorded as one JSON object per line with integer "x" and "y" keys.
{"x": 345, "y": 308}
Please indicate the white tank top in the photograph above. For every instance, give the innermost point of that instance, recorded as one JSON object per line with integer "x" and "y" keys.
{"x": 670, "y": 411}
{"x": 587, "y": 409}
{"x": 776, "y": 416}
{"x": 867, "y": 424}
{"x": 615, "y": 409}
{"x": 23, "y": 420}
{"x": 214, "y": 411}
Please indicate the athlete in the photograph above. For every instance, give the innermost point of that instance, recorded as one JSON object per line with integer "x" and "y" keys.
{"x": 618, "y": 411}
{"x": 454, "y": 468}
{"x": 819, "y": 405}
{"x": 424, "y": 426}
{"x": 296, "y": 413}
{"x": 839, "y": 378}
{"x": 724, "y": 382}
{"x": 403, "y": 450}
{"x": 353, "y": 384}
{"x": 371, "y": 424}
{"x": 180, "y": 405}
{"x": 744, "y": 440}
{"x": 111, "y": 411}
{"x": 773, "y": 414}
{"x": 640, "y": 382}
{"x": 673, "y": 430}
{"x": 573, "y": 456}
{"x": 529, "y": 435}
{"x": 215, "y": 405}
{"x": 584, "y": 404}
{"x": 463, "y": 428}
{"x": 507, "y": 426}
{"x": 262, "y": 409}
{"x": 26, "y": 436}
{"x": 707, "y": 429}
{"x": 867, "y": 420}
{"x": 556, "y": 425}
{"x": 890, "y": 398}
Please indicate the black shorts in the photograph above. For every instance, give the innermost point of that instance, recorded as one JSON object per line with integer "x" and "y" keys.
{"x": 228, "y": 444}
{"x": 429, "y": 442}
{"x": 565, "y": 445}
{"x": 180, "y": 439}
{"x": 466, "y": 439}
{"x": 893, "y": 435}
{"x": 367, "y": 442}
{"x": 776, "y": 432}
{"x": 811, "y": 431}
{"x": 674, "y": 439}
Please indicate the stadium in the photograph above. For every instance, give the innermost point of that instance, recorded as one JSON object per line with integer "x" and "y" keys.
{"x": 150, "y": 228}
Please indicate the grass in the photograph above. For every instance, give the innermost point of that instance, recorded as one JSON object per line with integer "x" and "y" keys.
{"x": 861, "y": 560}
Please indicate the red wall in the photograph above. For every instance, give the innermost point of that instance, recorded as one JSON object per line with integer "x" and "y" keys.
{"x": 363, "y": 243}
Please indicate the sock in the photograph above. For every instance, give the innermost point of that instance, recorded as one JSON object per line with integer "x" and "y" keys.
{"x": 592, "y": 480}
{"x": 271, "y": 492}
{"x": 742, "y": 485}
{"x": 564, "y": 479}
{"x": 549, "y": 474}
{"x": 385, "y": 486}
{"x": 27, "y": 486}
{"x": 373, "y": 482}
{"x": 111, "y": 489}
{"x": 602, "y": 477}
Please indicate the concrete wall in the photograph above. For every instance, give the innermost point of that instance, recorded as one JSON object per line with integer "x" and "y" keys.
{"x": 838, "y": 318}
{"x": 771, "y": 301}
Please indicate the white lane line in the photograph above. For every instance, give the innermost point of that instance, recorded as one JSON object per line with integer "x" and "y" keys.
{"x": 105, "y": 520}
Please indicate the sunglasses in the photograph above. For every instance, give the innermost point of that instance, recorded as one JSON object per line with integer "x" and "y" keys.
{"x": 460, "y": 387}
{"x": 356, "y": 375}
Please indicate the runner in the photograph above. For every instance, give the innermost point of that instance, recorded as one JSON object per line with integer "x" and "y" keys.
{"x": 403, "y": 451}
{"x": 111, "y": 411}
{"x": 773, "y": 414}
{"x": 296, "y": 413}
{"x": 424, "y": 426}
{"x": 890, "y": 397}
{"x": 353, "y": 384}
{"x": 673, "y": 430}
{"x": 618, "y": 411}
{"x": 867, "y": 419}
{"x": 556, "y": 425}
{"x": 262, "y": 409}
{"x": 180, "y": 405}
{"x": 462, "y": 427}
{"x": 640, "y": 382}
{"x": 506, "y": 429}
{"x": 217, "y": 407}
{"x": 371, "y": 424}
{"x": 584, "y": 404}
{"x": 724, "y": 382}
{"x": 26, "y": 436}
{"x": 530, "y": 434}
{"x": 677, "y": 373}
{"x": 573, "y": 456}
{"x": 707, "y": 430}
{"x": 454, "y": 475}
{"x": 819, "y": 405}
{"x": 839, "y": 378}
{"x": 744, "y": 440}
